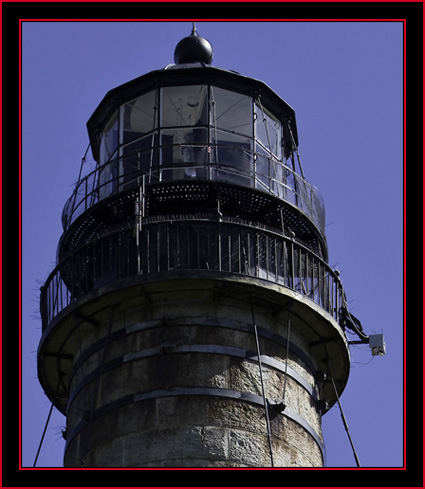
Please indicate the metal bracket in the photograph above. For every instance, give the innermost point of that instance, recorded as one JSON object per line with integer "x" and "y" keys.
{"x": 276, "y": 406}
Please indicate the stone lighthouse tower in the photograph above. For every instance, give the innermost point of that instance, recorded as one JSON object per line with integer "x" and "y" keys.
{"x": 192, "y": 319}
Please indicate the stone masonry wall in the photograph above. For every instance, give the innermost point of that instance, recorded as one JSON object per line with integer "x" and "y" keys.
{"x": 176, "y": 383}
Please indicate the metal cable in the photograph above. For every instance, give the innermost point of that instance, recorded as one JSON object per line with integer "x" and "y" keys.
{"x": 294, "y": 146}
{"x": 47, "y": 423}
{"x": 96, "y": 397}
{"x": 266, "y": 409}
{"x": 346, "y": 426}
{"x": 42, "y": 436}
{"x": 287, "y": 356}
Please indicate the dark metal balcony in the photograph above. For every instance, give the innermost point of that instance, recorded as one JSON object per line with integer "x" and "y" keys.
{"x": 178, "y": 243}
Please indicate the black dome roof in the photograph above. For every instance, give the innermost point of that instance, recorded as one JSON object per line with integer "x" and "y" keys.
{"x": 193, "y": 49}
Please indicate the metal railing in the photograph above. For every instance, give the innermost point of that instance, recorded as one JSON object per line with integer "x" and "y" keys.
{"x": 244, "y": 168}
{"x": 191, "y": 242}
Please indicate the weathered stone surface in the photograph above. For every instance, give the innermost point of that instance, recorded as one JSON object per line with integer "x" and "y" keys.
{"x": 135, "y": 350}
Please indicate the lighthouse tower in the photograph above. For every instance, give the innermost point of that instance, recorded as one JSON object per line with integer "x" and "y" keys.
{"x": 192, "y": 319}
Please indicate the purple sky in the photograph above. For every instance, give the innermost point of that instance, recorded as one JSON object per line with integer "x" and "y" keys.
{"x": 345, "y": 83}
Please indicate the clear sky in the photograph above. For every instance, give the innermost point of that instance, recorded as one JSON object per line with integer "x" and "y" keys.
{"x": 345, "y": 83}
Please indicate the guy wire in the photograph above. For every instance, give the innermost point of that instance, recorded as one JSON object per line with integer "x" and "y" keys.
{"x": 346, "y": 426}
{"x": 287, "y": 353}
{"x": 45, "y": 426}
{"x": 266, "y": 409}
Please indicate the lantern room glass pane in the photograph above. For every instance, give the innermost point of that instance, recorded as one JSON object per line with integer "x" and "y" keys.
{"x": 109, "y": 139}
{"x": 233, "y": 157}
{"x": 268, "y": 131}
{"x": 184, "y": 106}
{"x": 231, "y": 150}
{"x": 231, "y": 111}
{"x": 186, "y": 145}
{"x": 140, "y": 116}
{"x": 262, "y": 171}
{"x": 108, "y": 176}
{"x": 138, "y": 158}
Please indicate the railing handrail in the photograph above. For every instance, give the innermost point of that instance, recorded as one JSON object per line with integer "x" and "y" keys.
{"x": 88, "y": 189}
